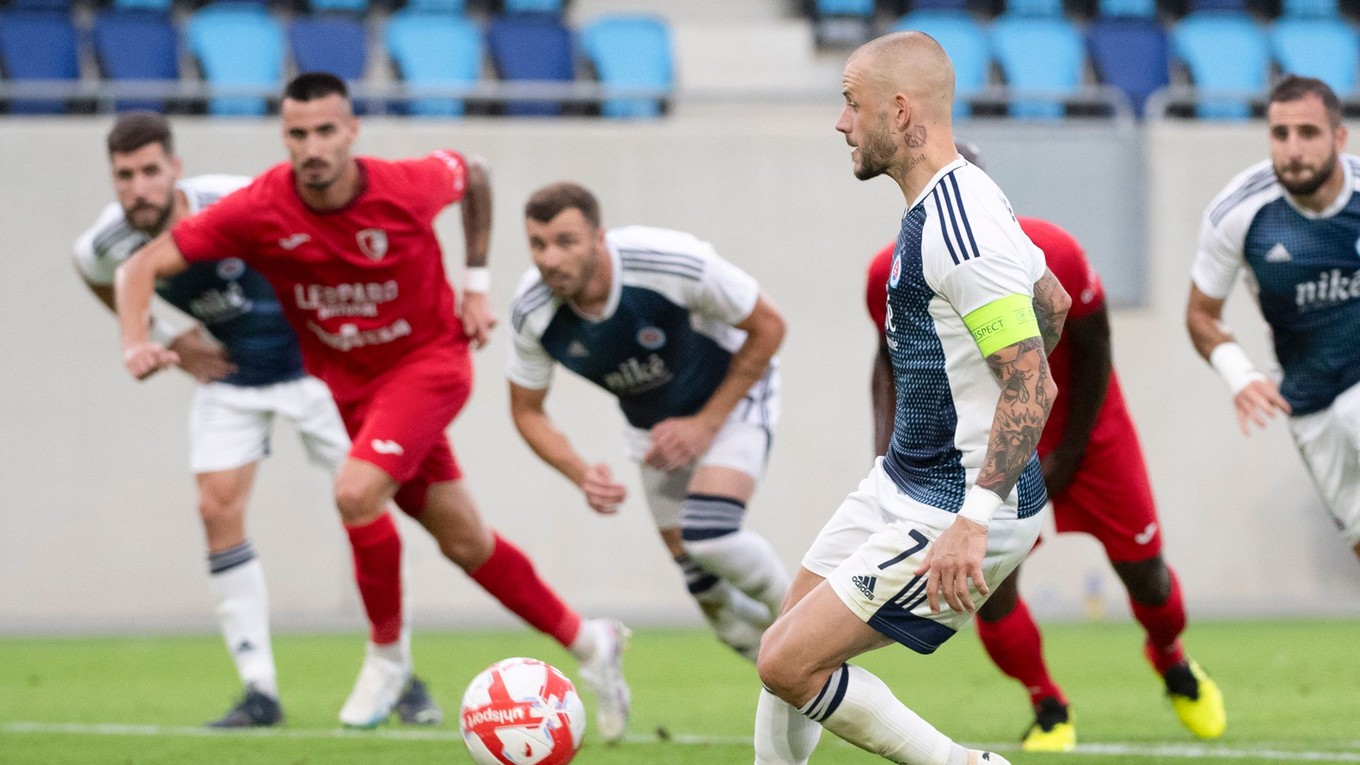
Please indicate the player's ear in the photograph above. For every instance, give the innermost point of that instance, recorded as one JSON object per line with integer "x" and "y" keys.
{"x": 901, "y": 115}
{"x": 1341, "y": 135}
{"x": 176, "y": 166}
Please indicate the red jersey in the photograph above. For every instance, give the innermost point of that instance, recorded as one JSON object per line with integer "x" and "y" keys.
{"x": 363, "y": 286}
{"x": 1067, "y": 261}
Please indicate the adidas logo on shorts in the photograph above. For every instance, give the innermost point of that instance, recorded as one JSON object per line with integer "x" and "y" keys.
{"x": 865, "y": 585}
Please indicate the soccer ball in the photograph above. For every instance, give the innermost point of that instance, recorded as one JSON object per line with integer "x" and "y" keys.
{"x": 522, "y": 712}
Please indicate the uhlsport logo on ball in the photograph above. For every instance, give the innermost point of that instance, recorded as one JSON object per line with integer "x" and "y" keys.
{"x": 522, "y": 712}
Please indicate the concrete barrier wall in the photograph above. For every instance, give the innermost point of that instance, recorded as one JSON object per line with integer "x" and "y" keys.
{"x": 100, "y": 531}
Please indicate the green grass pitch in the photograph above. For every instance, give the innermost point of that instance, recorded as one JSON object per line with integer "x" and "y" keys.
{"x": 1292, "y": 690}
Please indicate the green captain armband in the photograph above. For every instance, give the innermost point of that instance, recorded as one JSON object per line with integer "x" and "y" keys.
{"x": 1002, "y": 322}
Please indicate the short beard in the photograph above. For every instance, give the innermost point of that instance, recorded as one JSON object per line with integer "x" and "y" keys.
{"x": 1310, "y": 186}
{"x": 875, "y": 156}
{"x": 159, "y": 224}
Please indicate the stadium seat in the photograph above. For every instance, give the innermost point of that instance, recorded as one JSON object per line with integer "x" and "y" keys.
{"x": 142, "y": 5}
{"x": 237, "y": 45}
{"x": 531, "y": 48}
{"x": 1037, "y": 53}
{"x": 434, "y": 50}
{"x": 1044, "y": 9}
{"x": 356, "y": 7}
{"x": 451, "y": 7}
{"x": 1327, "y": 49}
{"x": 1127, "y": 9}
{"x": 630, "y": 50}
{"x": 42, "y": 5}
{"x": 965, "y": 42}
{"x": 137, "y": 45}
{"x": 1200, "y": 40}
{"x": 533, "y": 6}
{"x": 329, "y": 43}
{"x": 1130, "y": 53}
{"x": 38, "y": 45}
{"x": 842, "y": 22}
{"x": 1309, "y": 9}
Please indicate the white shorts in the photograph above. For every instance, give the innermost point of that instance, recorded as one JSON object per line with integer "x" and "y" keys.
{"x": 230, "y": 425}
{"x": 742, "y": 444}
{"x": 877, "y": 538}
{"x": 1329, "y": 442}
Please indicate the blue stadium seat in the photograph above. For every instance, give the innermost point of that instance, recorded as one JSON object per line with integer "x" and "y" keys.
{"x": 1200, "y": 40}
{"x": 842, "y": 23}
{"x": 162, "y": 6}
{"x": 138, "y": 45}
{"x": 965, "y": 42}
{"x": 1124, "y": 9}
{"x": 42, "y": 5}
{"x": 356, "y": 7}
{"x": 1309, "y": 9}
{"x": 863, "y": 8}
{"x": 1327, "y": 49}
{"x": 434, "y": 50}
{"x": 38, "y": 45}
{"x": 1038, "y": 54}
{"x": 1046, "y": 9}
{"x": 531, "y": 47}
{"x": 533, "y": 6}
{"x": 451, "y": 7}
{"x": 329, "y": 43}
{"x": 1132, "y": 54}
{"x": 237, "y": 44}
{"x": 630, "y": 50}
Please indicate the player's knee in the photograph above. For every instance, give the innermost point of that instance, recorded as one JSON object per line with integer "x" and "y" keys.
{"x": 357, "y": 502}
{"x": 1148, "y": 581}
{"x": 778, "y": 669}
{"x": 1003, "y": 600}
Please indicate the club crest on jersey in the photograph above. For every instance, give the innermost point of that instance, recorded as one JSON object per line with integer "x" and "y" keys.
{"x": 230, "y": 269}
{"x": 372, "y": 242}
{"x": 895, "y": 275}
{"x": 651, "y": 338}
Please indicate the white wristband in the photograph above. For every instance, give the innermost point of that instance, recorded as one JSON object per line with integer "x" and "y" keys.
{"x": 162, "y": 332}
{"x": 1234, "y": 366}
{"x": 477, "y": 279}
{"x": 979, "y": 505}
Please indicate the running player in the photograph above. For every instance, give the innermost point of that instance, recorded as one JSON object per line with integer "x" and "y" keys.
{"x": 1294, "y": 222}
{"x": 253, "y": 374}
{"x": 954, "y": 505}
{"x": 1097, "y": 480}
{"x": 686, "y": 342}
{"x": 349, "y": 244}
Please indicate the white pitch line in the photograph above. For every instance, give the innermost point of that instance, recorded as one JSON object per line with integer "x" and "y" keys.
{"x": 1162, "y": 751}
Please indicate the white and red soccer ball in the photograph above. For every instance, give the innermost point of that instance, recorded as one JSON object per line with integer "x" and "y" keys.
{"x": 522, "y": 712}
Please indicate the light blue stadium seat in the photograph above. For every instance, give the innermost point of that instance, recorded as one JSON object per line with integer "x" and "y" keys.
{"x": 347, "y": 6}
{"x": 1309, "y": 9}
{"x": 1048, "y": 9}
{"x": 533, "y": 6}
{"x": 1327, "y": 49}
{"x": 844, "y": 8}
{"x": 1038, "y": 54}
{"x": 1139, "y": 9}
{"x": 965, "y": 42}
{"x": 454, "y": 7}
{"x": 435, "y": 49}
{"x": 1202, "y": 38}
{"x": 630, "y": 50}
{"x": 237, "y": 44}
{"x": 143, "y": 5}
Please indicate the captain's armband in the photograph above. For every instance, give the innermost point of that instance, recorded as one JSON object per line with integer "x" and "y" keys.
{"x": 1002, "y": 322}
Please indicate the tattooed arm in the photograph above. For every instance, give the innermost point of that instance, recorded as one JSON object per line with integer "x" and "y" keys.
{"x": 1027, "y": 393}
{"x": 1051, "y": 302}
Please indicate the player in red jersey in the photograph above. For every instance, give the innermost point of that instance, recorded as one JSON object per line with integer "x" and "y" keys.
{"x": 1097, "y": 480}
{"x": 349, "y": 245}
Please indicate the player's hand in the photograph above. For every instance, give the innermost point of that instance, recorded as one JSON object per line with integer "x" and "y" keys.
{"x": 951, "y": 561}
{"x": 678, "y": 441}
{"x": 603, "y": 494}
{"x": 478, "y": 318}
{"x": 1059, "y": 469}
{"x": 147, "y": 358}
{"x": 201, "y": 357}
{"x": 1257, "y": 403}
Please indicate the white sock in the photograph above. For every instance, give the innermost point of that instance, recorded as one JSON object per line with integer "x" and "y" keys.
{"x": 746, "y": 560}
{"x": 860, "y": 708}
{"x": 237, "y": 584}
{"x": 398, "y": 651}
{"x": 587, "y": 641}
{"x": 783, "y": 735}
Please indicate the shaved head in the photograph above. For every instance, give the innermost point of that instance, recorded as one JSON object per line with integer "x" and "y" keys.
{"x": 911, "y": 63}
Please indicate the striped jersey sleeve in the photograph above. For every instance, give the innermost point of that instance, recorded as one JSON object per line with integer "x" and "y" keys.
{"x": 1223, "y": 229}
{"x": 532, "y": 308}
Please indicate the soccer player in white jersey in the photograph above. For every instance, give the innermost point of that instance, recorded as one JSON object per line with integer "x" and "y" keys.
{"x": 1293, "y": 221}
{"x": 686, "y": 342}
{"x": 953, "y": 507}
{"x": 250, "y": 372}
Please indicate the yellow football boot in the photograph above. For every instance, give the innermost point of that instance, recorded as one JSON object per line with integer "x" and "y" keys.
{"x": 1197, "y": 700}
{"x": 1053, "y": 729}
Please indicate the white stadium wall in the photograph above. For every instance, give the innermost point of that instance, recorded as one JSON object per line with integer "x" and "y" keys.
{"x": 99, "y": 529}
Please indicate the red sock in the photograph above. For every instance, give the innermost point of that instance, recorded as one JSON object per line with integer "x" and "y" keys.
{"x": 1163, "y": 625}
{"x": 510, "y": 577}
{"x": 377, "y": 569}
{"x": 1017, "y": 648}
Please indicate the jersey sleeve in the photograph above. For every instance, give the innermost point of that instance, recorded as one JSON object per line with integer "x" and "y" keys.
{"x": 1065, "y": 257}
{"x": 97, "y": 269}
{"x": 979, "y": 255}
{"x": 220, "y": 231}
{"x": 876, "y": 286}
{"x": 443, "y": 175}
{"x": 1217, "y": 260}
{"x": 724, "y": 293}
{"x": 529, "y": 365}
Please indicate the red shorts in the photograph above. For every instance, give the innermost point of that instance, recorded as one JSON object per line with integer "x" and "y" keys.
{"x": 400, "y": 426}
{"x": 1111, "y": 499}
